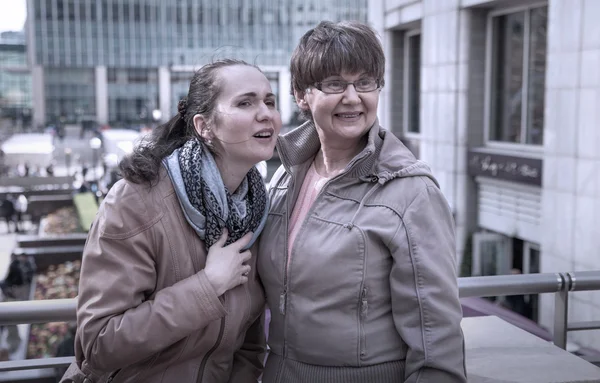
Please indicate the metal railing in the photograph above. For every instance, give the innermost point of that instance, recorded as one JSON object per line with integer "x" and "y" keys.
{"x": 561, "y": 284}
{"x": 63, "y": 310}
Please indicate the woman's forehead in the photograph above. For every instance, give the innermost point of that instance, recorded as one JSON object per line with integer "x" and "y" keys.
{"x": 348, "y": 74}
{"x": 241, "y": 79}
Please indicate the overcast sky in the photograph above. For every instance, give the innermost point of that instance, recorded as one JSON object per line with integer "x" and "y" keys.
{"x": 12, "y": 15}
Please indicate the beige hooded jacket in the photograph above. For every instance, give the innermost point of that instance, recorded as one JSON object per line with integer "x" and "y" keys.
{"x": 146, "y": 311}
{"x": 369, "y": 293}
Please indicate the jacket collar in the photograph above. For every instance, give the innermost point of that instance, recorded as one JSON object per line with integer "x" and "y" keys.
{"x": 302, "y": 144}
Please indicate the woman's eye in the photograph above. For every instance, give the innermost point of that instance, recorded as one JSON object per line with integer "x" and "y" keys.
{"x": 245, "y": 103}
{"x": 270, "y": 102}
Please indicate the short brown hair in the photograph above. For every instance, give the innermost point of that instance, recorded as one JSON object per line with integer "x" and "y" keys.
{"x": 331, "y": 48}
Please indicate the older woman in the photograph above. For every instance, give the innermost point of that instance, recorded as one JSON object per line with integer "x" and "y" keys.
{"x": 168, "y": 289}
{"x": 357, "y": 255}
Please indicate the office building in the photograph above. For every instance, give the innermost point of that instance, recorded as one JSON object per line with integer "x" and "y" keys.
{"x": 118, "y": 61}
{"x": 502, "y": 99}
{"x": 15, "y": 77}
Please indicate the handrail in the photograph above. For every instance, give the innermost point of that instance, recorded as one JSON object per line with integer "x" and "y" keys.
{"x": 32, "y": 364}
{"x": 583, "y": 280}
{"x": 42, "y": 311}
{"x": 64, "y": 310}
{"x": 519, "y": 284}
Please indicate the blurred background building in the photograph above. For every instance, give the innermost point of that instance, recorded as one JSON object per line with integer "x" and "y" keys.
{"x": 502, "y": 99}
{"x": 15, "y": 78}
{"x": 118, "y": 61}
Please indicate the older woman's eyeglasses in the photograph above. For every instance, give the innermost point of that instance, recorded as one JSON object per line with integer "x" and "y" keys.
{"x": 363, "y": 85}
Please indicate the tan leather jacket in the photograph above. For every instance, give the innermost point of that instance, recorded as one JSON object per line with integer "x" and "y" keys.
{"x": 369, "y": 292}
{"x": 146, "y": 311}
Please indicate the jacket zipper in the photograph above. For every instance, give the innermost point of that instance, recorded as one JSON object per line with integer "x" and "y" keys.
{"x": 363, "y": 310}
{"x": 283, "y": 295}
{"x": 213, "y": 349}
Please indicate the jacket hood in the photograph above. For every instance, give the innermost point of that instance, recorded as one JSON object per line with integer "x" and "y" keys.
{"x": 383, "y": 158}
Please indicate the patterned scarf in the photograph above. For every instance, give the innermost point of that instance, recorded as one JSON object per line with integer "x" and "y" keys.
{"x": 240, "y": 213}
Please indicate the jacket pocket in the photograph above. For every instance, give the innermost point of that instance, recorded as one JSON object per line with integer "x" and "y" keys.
{"x": 112, "y": 376}
{"x": 363, "y": 308}
{"x": 132, "y": 372}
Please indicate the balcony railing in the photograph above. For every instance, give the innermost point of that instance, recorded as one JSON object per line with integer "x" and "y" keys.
{"x": 560, "y": 284}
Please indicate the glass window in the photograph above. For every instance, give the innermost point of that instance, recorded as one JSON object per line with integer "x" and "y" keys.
{"x": 82, "y": 13}
{"x": 71, "y": 93}
{"x": 59, "y": 10}
{"x": 115, "y": 12}
{"x": 49, "y": 9}
{"x": 111, "y": 75}
{"x": 126, "y": 16}
{"x": 93, "y": 12}
{"x": 412, "y": 94}
{"x": 518, "y": 76}
{"x": 71, "y": 10}
{"x": 38, "y": 12}
{"x": 537, "y": 76}
{"x": 104, "y": 9}
{"x": 137, "y": 12}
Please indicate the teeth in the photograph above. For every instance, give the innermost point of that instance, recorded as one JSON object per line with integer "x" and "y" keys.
{"x": 265, "y": 134}
{"x": 348, "y": 115}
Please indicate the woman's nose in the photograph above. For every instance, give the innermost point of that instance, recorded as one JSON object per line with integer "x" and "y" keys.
{"x": 265, "y": 113}
{"x": 350, "y": 95}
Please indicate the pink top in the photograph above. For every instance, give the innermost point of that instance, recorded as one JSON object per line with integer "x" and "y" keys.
{"x": 312, "y": 185}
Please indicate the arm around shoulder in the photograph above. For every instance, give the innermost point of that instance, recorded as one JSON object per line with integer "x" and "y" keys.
{"x": 425, "y": 302}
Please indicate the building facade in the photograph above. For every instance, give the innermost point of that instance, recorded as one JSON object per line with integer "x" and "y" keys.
{"x": 118, "y": 61}
{"x": 15, "y": 77}
{"x": 502, "y": 99}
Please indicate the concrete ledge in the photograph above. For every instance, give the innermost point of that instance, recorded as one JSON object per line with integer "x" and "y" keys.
{"x": 498, "y": 352}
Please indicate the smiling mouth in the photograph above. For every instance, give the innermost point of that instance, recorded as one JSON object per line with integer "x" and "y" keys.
{"x": 348, "y": 115}
{"x": 264, "y": 134}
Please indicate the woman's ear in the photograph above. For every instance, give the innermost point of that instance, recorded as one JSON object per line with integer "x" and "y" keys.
{"x": 301, "y": 100}
{"x": 202, "y": 128}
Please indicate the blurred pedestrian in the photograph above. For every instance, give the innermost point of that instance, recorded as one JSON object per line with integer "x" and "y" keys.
{"x": 50, "y": 170}
{"x": 8, "y": 213}
{"x": 20, "y": 209}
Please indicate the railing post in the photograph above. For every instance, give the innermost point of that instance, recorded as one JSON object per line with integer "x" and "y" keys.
{"x": 561, "y": 313}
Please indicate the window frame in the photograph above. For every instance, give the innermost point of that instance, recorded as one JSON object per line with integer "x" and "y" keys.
{"x": 489, "y": 53}
{"x": 406, "y": 83}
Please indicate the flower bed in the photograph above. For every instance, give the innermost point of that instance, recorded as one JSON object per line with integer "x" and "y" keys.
{"x": 56, "y": 282}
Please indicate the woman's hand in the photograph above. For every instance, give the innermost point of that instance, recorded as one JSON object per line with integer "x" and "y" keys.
{"x": 225, "y": 268}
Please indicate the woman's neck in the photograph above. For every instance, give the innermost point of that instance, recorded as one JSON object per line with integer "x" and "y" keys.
{"x": 330, "y": 161}
{"x": 232, "y": 175}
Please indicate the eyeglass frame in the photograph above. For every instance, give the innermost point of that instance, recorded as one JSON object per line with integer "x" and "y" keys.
{"x": 319, "y": 85}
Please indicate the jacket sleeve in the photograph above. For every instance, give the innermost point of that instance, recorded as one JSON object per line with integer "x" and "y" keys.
{"x": 248, "y": 360}
{"x": 117, "y": 324}
{"x": 425, "y": 303}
